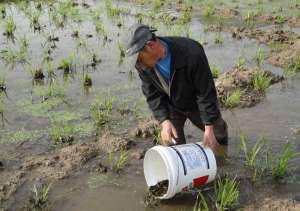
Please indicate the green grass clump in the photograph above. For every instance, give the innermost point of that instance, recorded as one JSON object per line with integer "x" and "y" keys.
{"x": 293, "y": 67}
{"x": 219, "y": 39}
{"x": 208, "y": 10}
{"x": 279, "y": 19}
{"x": 66, "y": 65}
{"x": 281, "y": 164}
{"x": 61, "y": 133}
{"x": 259, "y": 56}
{"x": 250, "y": 155}
{"x": 232, "y": 99}
{"x": 227, "y": 194}
{"x": 240, "y": 62}
{"x": 86, "y": 79}
{"x": 39, "y": 198}
{"x": 214, "y": 71}
{"x": 122, "y": 53}
{"x": 260, "y": 81}
{"x": 9, "y": 26}
{"x": 9, "y": 56}
{"x": 2, "y": 11}
{"x": 118, "y": 163}
{"x": 101, "y": 111}
{"x": 2, "y": 85}
{"x": 200, "y": 204}
{"x": 156, "y": 4}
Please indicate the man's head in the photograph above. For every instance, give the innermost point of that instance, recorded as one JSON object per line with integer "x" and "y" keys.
{"x": 143, "y": 42}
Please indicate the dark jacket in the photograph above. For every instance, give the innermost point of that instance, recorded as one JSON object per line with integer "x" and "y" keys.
{"x": 191, "y": 84}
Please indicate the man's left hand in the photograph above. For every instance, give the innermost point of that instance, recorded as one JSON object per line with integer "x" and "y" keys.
{"x": 209, "y": 138}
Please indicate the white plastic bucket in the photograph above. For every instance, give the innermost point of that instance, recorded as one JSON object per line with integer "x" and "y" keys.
{"x": 184, "y": 166}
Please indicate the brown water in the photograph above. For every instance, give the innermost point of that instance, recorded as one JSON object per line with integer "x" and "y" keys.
{"x": 25, "y": 133}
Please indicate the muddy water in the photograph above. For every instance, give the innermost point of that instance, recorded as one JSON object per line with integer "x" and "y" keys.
{"x": 89, "y": 190}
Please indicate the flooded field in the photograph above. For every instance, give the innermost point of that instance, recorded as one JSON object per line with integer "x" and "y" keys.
{"x": 74, "y": 125}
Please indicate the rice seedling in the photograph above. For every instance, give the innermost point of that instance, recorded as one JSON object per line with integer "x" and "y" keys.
{"x": 260, "y": 7}
{"x": 187, "y": 14}
{"x": 232, "y": 99}
{"x": 66, "y": 64}
{"x": 227, "y": 194}
{"x": 219, "y": 39}
{"x": 208, "y": 10}
{"x": 293, "y": 66}
{"x": 280, "y": 166}
{"x": 2, "y": 11}
{"x": 55, "y": 90}
{"x": 250, "y": 19}
{"x": 39, "y": 197}
{"x": 111, "y": 10}
{"x": 9, "y": 56}
{"x": 2, "y": 84}
{"x": 37, "y": 74}
{"x": 50, "y": 71}
{"x": 61, "y": 133}
{"x": 101, "y": 111}
{"x": 240, "y": 62}
{"x": 34, "y": 20}
{"x": 260, "y": 81}
{"x": 259, "y": 56}
{"x": 156, "y": 4}
{"x": 95, "y": 60}
{"x": 156, "y": 135}
{"x": 10, "y": 27}
{"x": 86, "y": 79}
{"x": 200, "y": 204}
{"x": 122, "y": 53}
{"x": 250, "y": 155}
{"x": 279, "y": 19}
{"x": 214, "y": 71}
{"x": 23, "y": 51}
{"x": 99, "y": 28}
{"x": 118, "y": 163}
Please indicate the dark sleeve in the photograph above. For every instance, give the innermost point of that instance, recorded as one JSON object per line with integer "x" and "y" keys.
{"x": 206, "y": 94}
{"x": 157, "y": 101}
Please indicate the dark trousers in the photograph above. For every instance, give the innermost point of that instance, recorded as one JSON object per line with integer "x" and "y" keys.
{"x": 178, "y": 119}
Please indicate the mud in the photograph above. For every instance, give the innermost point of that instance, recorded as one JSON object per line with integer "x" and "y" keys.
{"x": 274, "y": 204}
{"x": 268, "y": 37}
{"x": 145, "y": 128}
{"x": 61, "y": 163}
{"x": 155, "y": 191}
{"x": 111, "y": 143}
{"x": 240, "y": 78}
{"x": 160, "y": 188}
{"x": 284, "y": 56}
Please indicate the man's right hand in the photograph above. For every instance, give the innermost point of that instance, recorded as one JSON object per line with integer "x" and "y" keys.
{"x": 168, "y": 132}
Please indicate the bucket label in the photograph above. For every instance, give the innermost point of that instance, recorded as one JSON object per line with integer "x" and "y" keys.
{"x": 192, "y": 156}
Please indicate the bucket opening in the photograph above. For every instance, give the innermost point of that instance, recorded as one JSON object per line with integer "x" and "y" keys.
{"x": 155, "y": 168}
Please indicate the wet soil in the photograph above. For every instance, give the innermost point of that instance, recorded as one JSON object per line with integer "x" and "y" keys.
{"x": 241, "y": 78}
{"x": 285, "y": 55}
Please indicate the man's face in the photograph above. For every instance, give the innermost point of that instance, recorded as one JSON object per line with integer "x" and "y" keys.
{"x": 148, "y": 56}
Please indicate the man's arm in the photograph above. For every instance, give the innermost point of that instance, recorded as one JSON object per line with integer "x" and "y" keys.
{"x": 206, "y": 97}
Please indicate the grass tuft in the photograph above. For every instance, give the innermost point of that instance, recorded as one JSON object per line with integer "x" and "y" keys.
{"x": 232, "y": 99}
{"x": 260, "y": 81}
{"x": 227, "y": 194}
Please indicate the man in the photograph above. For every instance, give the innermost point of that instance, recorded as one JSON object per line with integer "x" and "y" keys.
{"x": 178, "y": 85}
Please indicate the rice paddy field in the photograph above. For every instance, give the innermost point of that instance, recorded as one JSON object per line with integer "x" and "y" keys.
{"x": 74, "y": 125}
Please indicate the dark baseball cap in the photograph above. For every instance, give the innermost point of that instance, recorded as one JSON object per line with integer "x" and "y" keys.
{"x": 138, "y": 36}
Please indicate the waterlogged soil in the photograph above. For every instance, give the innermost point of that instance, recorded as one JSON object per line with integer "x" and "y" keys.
{"x": 89, "y": 35}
